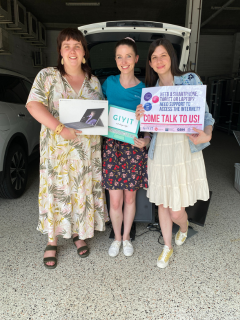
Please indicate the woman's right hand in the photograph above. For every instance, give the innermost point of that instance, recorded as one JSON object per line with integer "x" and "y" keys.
{"x": 139, "y": 111}
{"x": 69, "y": 133}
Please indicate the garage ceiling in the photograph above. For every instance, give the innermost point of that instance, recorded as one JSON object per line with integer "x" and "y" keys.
{"x": 56, "y": 15}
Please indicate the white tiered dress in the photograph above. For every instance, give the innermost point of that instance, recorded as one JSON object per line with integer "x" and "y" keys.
{"x": 176, "y": 177}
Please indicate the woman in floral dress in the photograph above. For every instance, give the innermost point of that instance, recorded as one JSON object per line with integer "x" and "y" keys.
{"x": 71, "y": 199}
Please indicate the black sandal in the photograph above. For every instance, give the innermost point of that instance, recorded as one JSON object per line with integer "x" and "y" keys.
{"x": 85, "y": 254}
{"x": 50, "y": 259}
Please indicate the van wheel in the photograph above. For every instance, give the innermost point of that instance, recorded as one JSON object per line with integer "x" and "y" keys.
{"x": 15, "y": 173}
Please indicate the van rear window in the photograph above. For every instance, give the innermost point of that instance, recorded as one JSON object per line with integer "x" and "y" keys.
{"x": 102, "y": 58}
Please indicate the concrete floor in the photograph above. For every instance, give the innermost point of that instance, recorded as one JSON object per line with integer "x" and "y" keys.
{"x": 201, "y": 282}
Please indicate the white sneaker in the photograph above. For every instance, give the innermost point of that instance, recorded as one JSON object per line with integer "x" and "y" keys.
{"x": 127, "y": 248}
{"x": 181, "y": 237}
{"x": 164, "y": 257}
{"x": 114, "y": 248}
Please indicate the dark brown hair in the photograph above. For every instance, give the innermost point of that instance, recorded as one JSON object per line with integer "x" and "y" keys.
{"x": 75, "y": 34}
{"x": 127, "y": 42}
{"x": 151, "y": 76}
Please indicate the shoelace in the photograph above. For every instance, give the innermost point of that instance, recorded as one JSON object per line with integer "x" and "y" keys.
{"x": 127, "y": 243}
{"x": 165, "y": 252}
{"x": 181, "y": 235}
{"x": 116, "y": 244}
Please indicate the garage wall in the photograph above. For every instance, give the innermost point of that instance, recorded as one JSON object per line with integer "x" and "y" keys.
{"x": 215, "y": 55}
{"x": 51, "y": 51}
{"x": 20, "y": 59}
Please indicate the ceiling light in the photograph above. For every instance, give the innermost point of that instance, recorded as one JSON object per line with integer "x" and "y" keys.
{"x": 83, "y": 4}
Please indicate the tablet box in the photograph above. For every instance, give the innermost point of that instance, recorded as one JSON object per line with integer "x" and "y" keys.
{"x": 75, "y": 113}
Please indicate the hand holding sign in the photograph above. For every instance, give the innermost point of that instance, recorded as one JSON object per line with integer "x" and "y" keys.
{"x": 202, "y": 136}
{"x": 139, "y": 112}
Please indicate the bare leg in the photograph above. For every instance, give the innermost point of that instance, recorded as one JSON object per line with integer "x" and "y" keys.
{"x": 79, "y": 243}
{"x": 129, "y": 212}
{"x": 165, "y": 224}
{"x": 116, "y": 214}
{"x": 180, "y": 218}
{"x": 50, "y": 253}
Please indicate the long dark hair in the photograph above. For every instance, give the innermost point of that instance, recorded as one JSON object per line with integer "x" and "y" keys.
{"x": 151, "y": 76}
{"x": 75, "y": 34}
{"x": 127, "y": 42}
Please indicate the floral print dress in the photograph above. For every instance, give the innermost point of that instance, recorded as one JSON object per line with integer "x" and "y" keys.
{"x": 71, "y": 198}
{"x": 124, "y": 166}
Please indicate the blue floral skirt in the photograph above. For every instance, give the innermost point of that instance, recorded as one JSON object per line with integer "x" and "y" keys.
{"x": 124, "y": 166}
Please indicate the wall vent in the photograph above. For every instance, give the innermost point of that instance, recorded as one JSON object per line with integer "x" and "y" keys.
{"x": 4, "y": 42}
{"x": 42, "y": 35}
{"x": 19, "y": 17}
{"x": 37, "y": 59}
{"x": 5, "y": 11}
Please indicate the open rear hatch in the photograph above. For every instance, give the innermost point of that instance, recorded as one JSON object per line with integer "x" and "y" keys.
{"x": 102, "y": 37}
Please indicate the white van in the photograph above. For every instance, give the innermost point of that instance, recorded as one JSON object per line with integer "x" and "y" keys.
{"x": 102, "y": 37}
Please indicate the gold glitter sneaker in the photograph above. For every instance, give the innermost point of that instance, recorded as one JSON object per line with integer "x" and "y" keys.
{"x": 164, "y": 257}
{"x": 181, "y": 237}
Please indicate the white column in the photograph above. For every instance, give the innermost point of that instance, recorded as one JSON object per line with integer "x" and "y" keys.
{"x": 193, "y": 22}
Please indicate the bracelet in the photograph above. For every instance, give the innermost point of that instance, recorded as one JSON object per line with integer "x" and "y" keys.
{"x": 147, "y": 137}
{"x": 59, "y": 128}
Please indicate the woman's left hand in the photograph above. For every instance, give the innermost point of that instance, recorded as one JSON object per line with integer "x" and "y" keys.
{"x": 201, "y": 136}
{"x": 141, "y": 142}
{"x": 139, "y": 112}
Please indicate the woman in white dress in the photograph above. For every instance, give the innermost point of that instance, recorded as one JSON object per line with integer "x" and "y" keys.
{"x": 176, "y": 169}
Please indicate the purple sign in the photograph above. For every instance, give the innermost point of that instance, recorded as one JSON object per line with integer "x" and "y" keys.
{"x": 147, "y": 96}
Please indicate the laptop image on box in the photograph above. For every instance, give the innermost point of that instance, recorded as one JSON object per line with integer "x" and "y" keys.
{"x": 90, "y": 119}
